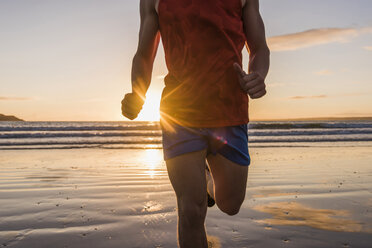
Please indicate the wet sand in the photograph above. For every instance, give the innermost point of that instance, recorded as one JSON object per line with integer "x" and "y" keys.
{"x": 296, "y": 197}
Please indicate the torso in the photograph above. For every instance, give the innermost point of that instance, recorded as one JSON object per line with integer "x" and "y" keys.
{"x": 202, "y": 39}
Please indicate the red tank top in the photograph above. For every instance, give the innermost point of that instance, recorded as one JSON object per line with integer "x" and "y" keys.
{"x": 202, "y": 39}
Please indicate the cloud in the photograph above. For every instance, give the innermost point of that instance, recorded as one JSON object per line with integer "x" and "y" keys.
{"x": 368, "y": 48}
{"x": 314, "y": 37}
{"x": 90, "y": 100}
{"x": 355, "y": 113}
{"x": 279, "y": 84}
{"x": 328, "y": 96}
{"x": 355, "y": 94}
{"x": 276, "y": 84}
{"x": 11, "y": 98}
{"x": 307, "y": 97}
{"x": 323, "y": 72}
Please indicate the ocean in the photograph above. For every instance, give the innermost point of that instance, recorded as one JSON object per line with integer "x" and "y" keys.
{"x": 147, "y": 135}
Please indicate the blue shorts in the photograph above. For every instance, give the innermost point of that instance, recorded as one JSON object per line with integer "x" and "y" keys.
{"x": 231, "y": 142}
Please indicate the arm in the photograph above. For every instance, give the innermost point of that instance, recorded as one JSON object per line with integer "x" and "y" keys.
{"x": 143, "y": 60}
{"x": 259, "y": 53}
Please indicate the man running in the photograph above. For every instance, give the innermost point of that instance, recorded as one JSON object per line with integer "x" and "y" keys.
{"x": 204, "y": 105}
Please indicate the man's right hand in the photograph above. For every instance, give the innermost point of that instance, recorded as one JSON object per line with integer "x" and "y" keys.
{"x": 131, "y": 105}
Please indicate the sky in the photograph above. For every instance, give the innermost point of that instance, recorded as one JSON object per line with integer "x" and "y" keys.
{"x": 70, "y": 60}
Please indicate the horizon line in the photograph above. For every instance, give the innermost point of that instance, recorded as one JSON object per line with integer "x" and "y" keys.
{"x": 251, "y": 120}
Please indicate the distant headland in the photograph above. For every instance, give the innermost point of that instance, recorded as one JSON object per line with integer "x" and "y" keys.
{"x": 9, "y": 118}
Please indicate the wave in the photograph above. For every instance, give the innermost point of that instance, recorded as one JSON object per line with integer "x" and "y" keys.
{"x": 157, "y": 133}
{"x": 158, "y": 141}
{"x": 78, "y": 126}
{"x": 56, "y": 142}
{"x": 140, "y": 126}
{"x": 69, "y": 134}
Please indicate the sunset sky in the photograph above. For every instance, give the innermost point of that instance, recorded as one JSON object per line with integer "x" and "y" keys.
{"x": 71, "y": 60}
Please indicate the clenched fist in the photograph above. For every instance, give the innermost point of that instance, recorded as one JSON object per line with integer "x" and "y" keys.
{"x": 131, "y": 105}
{"x": 253, "y": 83}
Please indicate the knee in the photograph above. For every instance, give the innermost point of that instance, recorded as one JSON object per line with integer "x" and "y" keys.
{"x": 230, "y": 207}
{"x": 192, "y": 213}
{"x": 230, "y": 210}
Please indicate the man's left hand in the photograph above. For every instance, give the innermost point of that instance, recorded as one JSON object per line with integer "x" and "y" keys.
{"x": 253, "y": 83}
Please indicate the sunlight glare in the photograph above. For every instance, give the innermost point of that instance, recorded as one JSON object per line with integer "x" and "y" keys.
{"x": 153, "y": 160}
{"x": 150, "y": 110}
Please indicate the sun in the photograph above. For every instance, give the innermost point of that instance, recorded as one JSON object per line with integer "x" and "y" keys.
{"x": 150, "y": 110}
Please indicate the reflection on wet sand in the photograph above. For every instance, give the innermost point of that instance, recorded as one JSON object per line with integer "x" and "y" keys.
{"x": 152, "y": 207}
{"x": 297, "y": 214}
{"x": 153, "y": 161}
{"x": 273, "y": 195}
{"x": 369, "y": 203}
{"x": 213, "y": 242}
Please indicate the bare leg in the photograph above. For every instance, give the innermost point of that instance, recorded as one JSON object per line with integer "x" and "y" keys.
{"x": 210, "y": 184}
{"x": 230, "y": 182}
{"x": 187, "y": 175}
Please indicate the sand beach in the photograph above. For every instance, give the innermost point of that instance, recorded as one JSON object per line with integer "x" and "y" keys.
{"x": 318, "y": 196}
